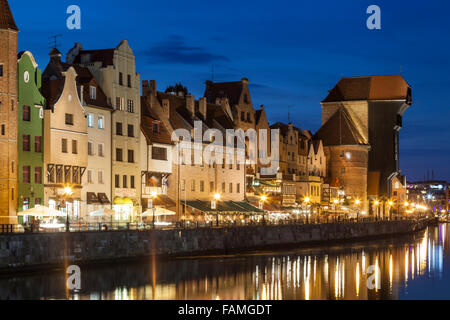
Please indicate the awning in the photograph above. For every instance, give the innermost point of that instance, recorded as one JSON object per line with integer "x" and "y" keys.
{"x": 91, "y": 198}
{"x": 123, "y": 201}
{"x": 103, "y": 198}
{"x": 223, "y": 206}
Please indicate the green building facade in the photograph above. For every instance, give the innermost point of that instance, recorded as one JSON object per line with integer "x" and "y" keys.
{"x": 30, "y": 135}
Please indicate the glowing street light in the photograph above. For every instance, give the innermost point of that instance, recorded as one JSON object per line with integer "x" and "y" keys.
{"x": 217, "y": 196}
{"x": 306, "y": 200}
{"x": 357, "y": 202}
{"x": 263, "y": 198}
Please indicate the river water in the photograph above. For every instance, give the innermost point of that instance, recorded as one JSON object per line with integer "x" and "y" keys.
{"x": 411, "y": 267}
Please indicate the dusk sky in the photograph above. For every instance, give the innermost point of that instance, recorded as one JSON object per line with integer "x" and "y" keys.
{"x": 292, "y": 52}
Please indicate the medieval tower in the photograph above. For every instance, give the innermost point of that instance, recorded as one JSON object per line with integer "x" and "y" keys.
{"x": 8, "y": 114}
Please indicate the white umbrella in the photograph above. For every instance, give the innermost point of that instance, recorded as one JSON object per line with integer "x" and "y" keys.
{"x": 158, "y": 212}
{"x": 102, "y": 213}
{"x": 42, "y": 211}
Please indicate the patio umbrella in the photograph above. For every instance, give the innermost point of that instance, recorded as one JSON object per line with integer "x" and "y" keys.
{"x": 42, "y": 211}
{"x": 102, "y": 213}
{"x": 158, "y": 212}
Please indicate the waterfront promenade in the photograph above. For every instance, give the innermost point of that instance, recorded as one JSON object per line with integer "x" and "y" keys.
{"x": 32, "y": 251}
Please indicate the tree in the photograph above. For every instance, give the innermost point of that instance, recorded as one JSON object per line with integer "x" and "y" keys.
{"x": 178, "y": 87}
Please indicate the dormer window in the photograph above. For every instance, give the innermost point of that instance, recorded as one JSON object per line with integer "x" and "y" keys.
{"x": 1, "y": 70}
{"x": 93, "y": 93}
{"x": 245, "y": 98}
{"x": 155, "y": 127}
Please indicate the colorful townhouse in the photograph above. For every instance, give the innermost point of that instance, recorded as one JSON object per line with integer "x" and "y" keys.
{"x": 30, "y": 120}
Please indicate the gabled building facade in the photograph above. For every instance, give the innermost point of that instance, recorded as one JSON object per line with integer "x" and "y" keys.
{"x": 115, "y": 71}
{"x": 8, "y": 115}
{"x": 30, "y": 114}
{"x": 65, "y": 138}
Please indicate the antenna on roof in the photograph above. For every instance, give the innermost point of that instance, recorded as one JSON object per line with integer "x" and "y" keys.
{"x": 53, "y": 44}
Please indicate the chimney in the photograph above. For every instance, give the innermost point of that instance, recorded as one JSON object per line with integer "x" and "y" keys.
{"x": 190, "y": 104}
{"x": 153, "y": 86}
{"x": 166, "y": 107}
{"x": 145, "y": 88}
{"x": 202, "y": 106}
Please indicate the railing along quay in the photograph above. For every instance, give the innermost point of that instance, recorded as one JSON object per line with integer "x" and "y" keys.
{"x": 183, "y": 225}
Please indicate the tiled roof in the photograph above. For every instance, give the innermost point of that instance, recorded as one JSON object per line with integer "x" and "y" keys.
{"x": 392, "y": 87}
{"x": 340, "y": 130}
{"x": 6, "y": 17}
{"x": 147, "y": 120}
{"x": 106, "y": 56}
{"x": 230, "y": 90}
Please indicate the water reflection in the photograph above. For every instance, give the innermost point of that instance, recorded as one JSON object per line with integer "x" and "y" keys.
{"x": 400, "y": 268}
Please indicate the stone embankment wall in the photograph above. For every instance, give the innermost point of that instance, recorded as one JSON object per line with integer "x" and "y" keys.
{"x": 47, "y": 250}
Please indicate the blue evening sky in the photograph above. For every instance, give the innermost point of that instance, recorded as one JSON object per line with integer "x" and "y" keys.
{"x": 293, "y": 52}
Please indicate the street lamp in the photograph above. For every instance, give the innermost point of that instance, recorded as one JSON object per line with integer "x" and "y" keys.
{"x": 217, "y": 198}
{"x": 263, "y": 199}
{"x": 67, "y": 193}
{"x": 377, "y": 203}
{"x": 357, "y": 203}
{"x": 391, "y": 203}
{"x": 153, "y": 194}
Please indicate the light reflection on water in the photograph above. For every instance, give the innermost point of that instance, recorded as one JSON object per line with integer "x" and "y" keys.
{"x": 409, "y": 267}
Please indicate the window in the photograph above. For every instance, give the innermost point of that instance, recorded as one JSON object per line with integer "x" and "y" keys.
{"x": 101, "y": 148}
{"x": 183, "y": 185}
{"x": 119, "y": 154}
{"x": 202, "y": 186}
{"x": 101, "y": 122}
{"x": 155, "y": 127}
{"x": 193, "y": 185}
{"x": 12, "y": 194}
{"x": 74, "y": 147}
{"x": 248, "y": 117}
{"x": 93, "y": 92}
{"x": 26, "y": 113}
{"x": 120, "y": 103}
{"x": 38, "y": 175}
{"x": 211, "y": 187}
{"x": 238, "y": 188}
{"x": 117, "y": 181}
{"x": 125, "y": 180}
{"x": 245, "y": 98}
{"x": 159, "y": 153}
{"x": 37, "y": 201}
{"x": 3, "y": 129}
{"x": 1, "y": 70}
{"x": 132, "y": 186}
{"x": 120, "y": 78}
{"x": 100, "y": 177}
{"x": 90, "y": 119}
{"x": 90, "y": 151}
{"x": 38, "y": 144}
{"x": 223, "y": 187}
{"x": 26, "y": 174}
{"x": 64, "y": 145}
{"x": 69, "y": 119}
{"x": 89, "y": 176}
{"x": 26, "y": 142}
{"x": 231, "y": 187}
{"x": 242, "y": 116}
{"x": 119, "y": 128}
{"x": 129, "y": 81}
{"x": 131, "y": 130}
{"x": 231, "y": 166}
{"x": 12, "y": 105}
{"x": 130, "y": 106}
{"x": 130, "y": 156}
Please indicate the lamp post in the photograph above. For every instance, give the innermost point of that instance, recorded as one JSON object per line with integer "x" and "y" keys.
{"x": 263, "y": 199}
{"x": 377, "y": 205}
{"x": 357, "y": 203}
{"x": 391, "y": 203}
{"x": 335, "y": 202}
{"x": 217, "y": 198}
{"x": 153, "y": 194}
{"x": 306, "y": 201}
{"x": 67, "y": 193}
